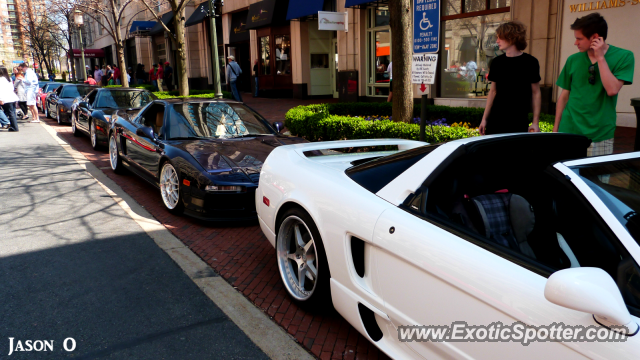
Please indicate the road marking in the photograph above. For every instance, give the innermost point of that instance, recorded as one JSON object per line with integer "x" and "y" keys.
{"x": 267, "y": 335}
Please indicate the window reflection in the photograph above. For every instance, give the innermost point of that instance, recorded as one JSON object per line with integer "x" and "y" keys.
{"x": 265, "y": 66}
{"x": 382, "y": 16}
{"x": 451, "y": 7}
{"x": 475, "y": 5}
{"x": 383, "y": 55}
{"x": 283, "y": 55}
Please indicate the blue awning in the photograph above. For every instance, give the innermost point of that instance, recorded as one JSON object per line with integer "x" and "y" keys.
{"x": 141, "y": 25}
{"x": 298, "y": 9}
{"x": 351, "y": 3}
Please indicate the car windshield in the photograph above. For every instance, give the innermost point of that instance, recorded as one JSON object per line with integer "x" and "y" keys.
{"x": 617, "y": 184}
{"x": 52, "y": 87}
{"x": 41, "y": 84}
{"x": 215, "y": 120}
{"x": 124, "y": 99}
{"x": 75, "y": 91}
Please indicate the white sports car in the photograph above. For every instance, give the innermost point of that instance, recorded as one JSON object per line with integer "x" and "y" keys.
{"x": 493, "y": 230}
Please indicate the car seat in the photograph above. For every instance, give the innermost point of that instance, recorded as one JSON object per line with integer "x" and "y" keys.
{"x": 159, "y": 122}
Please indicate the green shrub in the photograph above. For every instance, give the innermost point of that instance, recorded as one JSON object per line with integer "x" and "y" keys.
{"x": 141, "y": 86}
{"x": 324, "y": 122}
{"x": 192, "y": 94}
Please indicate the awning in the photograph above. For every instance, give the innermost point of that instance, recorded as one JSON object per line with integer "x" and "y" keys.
{"x": 352, "y": 3}
{"x": 298, "y": 9}
{"x": 199, "y": 15}
{"x": 267, "y": 13}
{"x": 142, "y": 26}
{"x": 88, "y": 53}
{"x": 238, "y": 31}
{"x": 158, "y": 29}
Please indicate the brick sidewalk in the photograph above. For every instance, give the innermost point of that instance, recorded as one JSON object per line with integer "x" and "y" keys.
{"x": 245, "y": 259}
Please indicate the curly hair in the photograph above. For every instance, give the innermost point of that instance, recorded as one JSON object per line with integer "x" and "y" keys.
{"x": 514, "y": 32}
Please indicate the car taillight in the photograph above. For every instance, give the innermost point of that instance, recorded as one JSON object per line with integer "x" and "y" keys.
{"x": 265, "y": 200}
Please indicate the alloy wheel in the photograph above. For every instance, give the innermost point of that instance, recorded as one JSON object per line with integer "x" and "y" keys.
{"x": 297, "y": 260}
{"x": 113, "y": 153}
{"x": 169, "y": 186}
{"x": 94, "y": 136}
{"x": 58, "y": 117}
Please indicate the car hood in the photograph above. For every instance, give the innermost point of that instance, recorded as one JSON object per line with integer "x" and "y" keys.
{"x": 245, "y": 154}
{"x": 66, "y": 101}
{"x": 111, "y": 111}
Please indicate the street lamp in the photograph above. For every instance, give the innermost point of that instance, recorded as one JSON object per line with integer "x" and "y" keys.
{"x": 214, "y": 48}
{"x": 80, "y": 21}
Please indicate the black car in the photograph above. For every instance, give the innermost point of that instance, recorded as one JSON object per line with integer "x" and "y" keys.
{"x": 93, "y": 113}
{"x": 58, "y": 103}
{"x": 204, "y": 155}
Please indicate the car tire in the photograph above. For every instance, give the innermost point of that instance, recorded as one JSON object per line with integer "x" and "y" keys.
{"x": 74, "y": 128}
{"x": 170, "y": 189}
{"x": 114, "y": 155}
{"x": 58, "y": 117}
{"x": 93, "y": 136}
{"x": 46, "y": 112}
{"x": 300, "y": 253}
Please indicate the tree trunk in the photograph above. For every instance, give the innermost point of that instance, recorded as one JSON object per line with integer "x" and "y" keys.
{"x": 401, "y": 51}
{"x": 121, "y": 63}
{"x": 73, "y": 68}
{"x": 181, "y": 66}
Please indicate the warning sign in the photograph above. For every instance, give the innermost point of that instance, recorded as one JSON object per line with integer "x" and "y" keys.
{"x": 423, "y": 69}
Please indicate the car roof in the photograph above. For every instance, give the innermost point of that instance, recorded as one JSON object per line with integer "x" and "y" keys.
{"x": 192, "y": 100}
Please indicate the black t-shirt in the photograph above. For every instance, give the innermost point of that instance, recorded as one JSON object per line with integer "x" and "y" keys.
{"x": 513, "y": 77}
{"x": 255, "y": 70}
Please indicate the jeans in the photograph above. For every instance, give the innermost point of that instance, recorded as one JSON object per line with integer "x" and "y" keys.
{"x": 169, "y": 82}
{"x": 4, "y": 120}
{"x": 234, "y": 91}
{"x": 118, "y": 81}
{"x": 10, "y": 111}
{"x": 140, "y": 81}
{"x": 24, "y": 108}
{"x": 155, "y": 84}
{"x": 256, "y": 79}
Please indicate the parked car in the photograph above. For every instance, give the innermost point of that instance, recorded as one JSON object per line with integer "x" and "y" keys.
{"x": 205, "y": 156}
{"x": 479, "y": 231}
{"x": 93, "y": 113}
{"x": 43, "y": 91}
{"x": 58, "y": 103}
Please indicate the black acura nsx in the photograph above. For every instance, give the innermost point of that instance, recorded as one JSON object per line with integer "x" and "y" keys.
{"x": 204, "y": 155}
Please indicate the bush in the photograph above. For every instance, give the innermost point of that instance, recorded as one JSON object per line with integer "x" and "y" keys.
{"x": 192, "y": 94}
{"x": 325, "y": 122}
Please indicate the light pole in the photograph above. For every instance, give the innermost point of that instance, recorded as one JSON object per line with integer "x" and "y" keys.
{"x": 214, "y": 50}
{"x": 80, "y": 21}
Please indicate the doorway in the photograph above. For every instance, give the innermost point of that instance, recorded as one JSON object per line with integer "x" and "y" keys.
{"x": 334, "y": 67}
{"x": 243, "y": 57}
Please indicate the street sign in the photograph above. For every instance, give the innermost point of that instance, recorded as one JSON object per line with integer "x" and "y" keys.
{"x": 35, "y": 66}
{"x": 423, "y": 69}
{"x": 18, "y": 61}
{"x": 334, "y": 21}
{"x": 426, "y": 26}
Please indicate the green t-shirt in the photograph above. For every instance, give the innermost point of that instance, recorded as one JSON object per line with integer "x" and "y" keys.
{"x": 590, "y": 111}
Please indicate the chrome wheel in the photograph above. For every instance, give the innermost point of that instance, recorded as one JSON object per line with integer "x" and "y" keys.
{"x": 58, "y": 117}
{"x": 297, "y": 260}
{"x": 113, "y": 153}
{"x": 169, "y": 186}
{"x": 46, "y": 112}
{"x": 94, "y": 136}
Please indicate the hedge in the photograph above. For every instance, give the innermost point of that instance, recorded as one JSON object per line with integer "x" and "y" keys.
{"x": 345, "y": 121}
{"x": 175, "y": 93}
{"x": 140, "y": 86}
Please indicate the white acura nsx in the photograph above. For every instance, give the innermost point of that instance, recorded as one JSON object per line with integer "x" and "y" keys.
{"x": 487, "y": 230}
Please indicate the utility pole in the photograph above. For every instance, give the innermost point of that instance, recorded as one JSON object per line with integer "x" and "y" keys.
{"x": 214, "y": 49}
{"x": 80, "y": 21}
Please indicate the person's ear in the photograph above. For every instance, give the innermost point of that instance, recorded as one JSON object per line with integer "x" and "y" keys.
{"x": 594, "y": 36}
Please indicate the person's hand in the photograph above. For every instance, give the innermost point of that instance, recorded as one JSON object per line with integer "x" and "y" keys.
{"x": 483, "y": 126}
{"x": 534, "y": 127}
{"x": 597, "y": 45}
{"x": 555, "y": 128}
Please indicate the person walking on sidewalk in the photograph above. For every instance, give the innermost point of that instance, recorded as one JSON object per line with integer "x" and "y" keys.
{"x": 31, "y": 83}
{"x": 233, "y": 72}
{"x": 160, "y": 76}
{"x": 153, "y": 77}
{"x": 97, "y": 75}
{"x": 21, "y": 92}
{"x": 168, "y": 76}
{"x": 255, "y": 77}
{"x": 116, "y": 75}
{"x": 390, "y": 71}
{"x": 590, "y": 82}
{"x": 8, "y": 98}
{"x": 515, "y": 85}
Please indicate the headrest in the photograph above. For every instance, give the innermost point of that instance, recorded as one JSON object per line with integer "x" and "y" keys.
{"x": 159, "y": 118}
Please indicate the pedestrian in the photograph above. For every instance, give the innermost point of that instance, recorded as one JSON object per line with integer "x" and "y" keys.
{"x": 590, "y": 82}
{"x": 515, "y": 85}
{"x": 233, "y": 72}
{"x": 116, "y": 75}
{"x": 140, "y": 74}
{"x": 8, "y": 98}
{"x": 21, "y": 91}
{"x": 31, "y": 83}
{"x": 390, "y": 71}
{"x": 98, "y": 74}
{"x": 109, "y": 76}
{"x": 159, "y": 76}
{"x": 90, "y": 80}
{"x": 255, "y": 77}
{"x": 471, "y": 71}
{"x": 129, "y": 75}
{"x": 88, "y": 71}
{"x": 153, "y": 78}
{"x": 168, "y": 76}
{"x": 52, "y": 77}
{"x": 15, "y": 72}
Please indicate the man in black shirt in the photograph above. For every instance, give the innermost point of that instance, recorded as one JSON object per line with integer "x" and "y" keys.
{"x": 515, "y": 85}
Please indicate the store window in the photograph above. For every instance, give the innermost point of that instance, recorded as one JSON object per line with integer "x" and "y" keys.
{"x": 469, "y": 45}
{"x": 283, "y": 54}
{"x": 379, "y": 49}
{"x": 265, "y": 68}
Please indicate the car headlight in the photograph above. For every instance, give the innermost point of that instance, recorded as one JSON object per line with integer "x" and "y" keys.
{"x": 225, "y": 188}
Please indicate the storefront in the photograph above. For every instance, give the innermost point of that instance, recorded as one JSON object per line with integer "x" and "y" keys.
{"x": 201, "y": 22}
{"x": 91, "y": 56}
{"x": 239, "y": 47}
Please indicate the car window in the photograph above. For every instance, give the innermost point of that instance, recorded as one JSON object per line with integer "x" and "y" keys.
{"x": 92, "y": 97}
{"x": 58, "y": 90}
{"x": 124, "y": 99}
{"x": 215, "y": 120}
{"x": 51, "y": 87}
{"x": 153, "y": 116}
{"x": 74, "y": 91}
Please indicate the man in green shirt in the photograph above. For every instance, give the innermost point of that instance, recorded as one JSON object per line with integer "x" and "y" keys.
{"x": 590, "y": 82}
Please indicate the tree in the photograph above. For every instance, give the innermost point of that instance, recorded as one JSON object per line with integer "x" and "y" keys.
{"x": 109, "y": 14}
{"x": 401, "y": 32}
{"x": 177, "y": 38}
{"x": 40, "y": 33}
{"x": 61, "y": 13}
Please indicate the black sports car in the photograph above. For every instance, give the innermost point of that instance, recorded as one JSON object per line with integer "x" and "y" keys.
{"x": 205, "y": 155}
{"x": 58, "y": 103}
{"x": 43, "y": 91}
{"x": 93, "y": 113}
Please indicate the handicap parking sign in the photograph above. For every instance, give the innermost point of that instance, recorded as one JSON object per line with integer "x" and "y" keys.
{"x": 426, "y": 26}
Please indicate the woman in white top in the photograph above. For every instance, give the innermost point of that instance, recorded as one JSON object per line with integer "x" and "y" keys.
{"x": 8, "y": 98}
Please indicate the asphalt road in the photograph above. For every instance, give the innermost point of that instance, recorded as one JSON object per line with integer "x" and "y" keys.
{"x": 73, "y": 264}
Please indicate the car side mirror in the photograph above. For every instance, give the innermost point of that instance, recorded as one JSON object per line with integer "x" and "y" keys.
{"x": 146, "y": 132}
{"x": 83, "y": 104}
{"x": 278, "y": 125}
{"x": 590, "y": 290}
